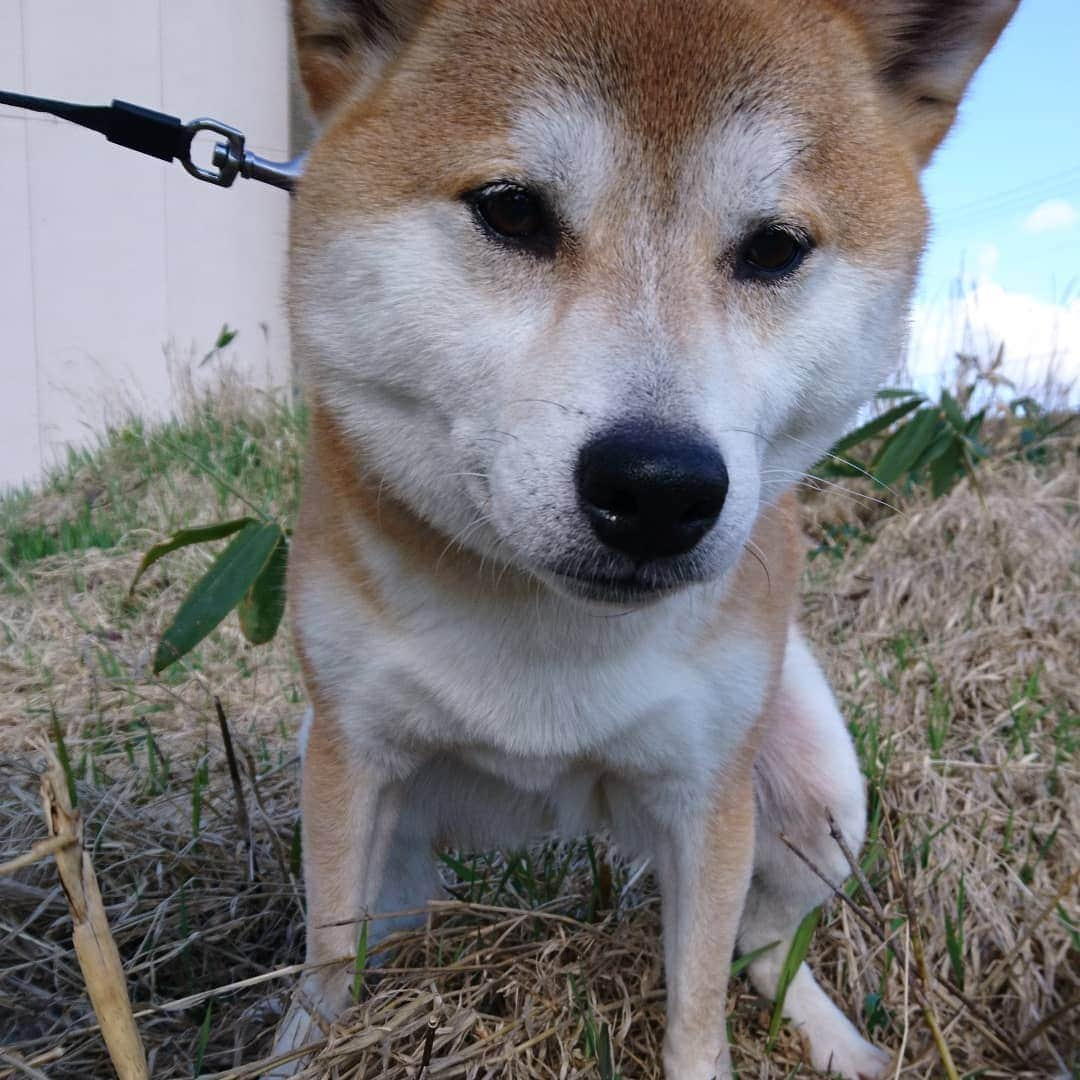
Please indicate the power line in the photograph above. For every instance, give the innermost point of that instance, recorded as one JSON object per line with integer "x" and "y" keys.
{"x": 1065, "y": 176}
{"x": 1009, "y": 200}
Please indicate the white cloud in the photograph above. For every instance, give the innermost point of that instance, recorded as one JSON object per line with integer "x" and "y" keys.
{"x": 1040, "y": 339}
{"x": 987, "y": 259}
{"x": 1054, "y": 215}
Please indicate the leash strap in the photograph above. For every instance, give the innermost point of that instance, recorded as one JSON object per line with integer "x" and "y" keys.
{"x": 168, "y": 138}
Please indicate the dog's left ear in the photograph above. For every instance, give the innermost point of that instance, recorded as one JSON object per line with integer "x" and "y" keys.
{"x": 926, "y": 52}
{"x": 342, "y": 43}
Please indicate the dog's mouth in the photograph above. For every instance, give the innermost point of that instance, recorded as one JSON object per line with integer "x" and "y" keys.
{"x": 643, "y": 584}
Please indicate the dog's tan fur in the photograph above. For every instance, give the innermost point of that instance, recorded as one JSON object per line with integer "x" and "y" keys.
{"x": 456, "y": 685}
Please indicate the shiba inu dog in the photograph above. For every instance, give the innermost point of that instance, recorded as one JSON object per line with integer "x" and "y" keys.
{"x": 579, "y": 290}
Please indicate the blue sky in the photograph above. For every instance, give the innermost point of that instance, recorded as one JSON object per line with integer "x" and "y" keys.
{"x": 1004, "y": 191}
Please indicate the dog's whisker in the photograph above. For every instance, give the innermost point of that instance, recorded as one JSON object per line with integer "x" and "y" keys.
{"x": 846, "y": 462}
{"x": 810, "y": 482}
{"x": 497, "y": 431}
{"x": 747, "y": 431}
{"x": 759, "y": 555}
{"x": 545, "y": 401}
{"x": 458, "y": 540}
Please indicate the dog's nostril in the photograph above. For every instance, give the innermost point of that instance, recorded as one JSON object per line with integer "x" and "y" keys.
{"x": 615, "y": 502}
{"x": 651, "y": 492}
{"x": 704, "y": 510}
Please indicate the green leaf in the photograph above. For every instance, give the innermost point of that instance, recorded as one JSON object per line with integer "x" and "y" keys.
{"x": 225, "y": 336}
{"x": 891, "y": 392}
{"x": 877, "y": 1016}
{"x": 64, "y": 757}
{"x": 202, "y": 534}
{"x": 904, "y": 447}
{"x": 946, "y": 470}
{"x": 603, "y": 1054}
{"x": 943, "y": 439}
{"x": 800, "y": 943}
{"x": 263, "y": 604}
{"x": 953, "y": 413}
{"x": 877, "y": 425}
{"x": 974, "y": 425}
{"x": 465, "y": 873}
{"x": 360, "y": 962}
{"x": 741, "y": 963}
{"x": 218, "y": 591}
{"x": 838, "y": 467}
{"x": 203, "y": 1039}
{"x": 1026, "y": 406}
{"x": 954, "y": 938}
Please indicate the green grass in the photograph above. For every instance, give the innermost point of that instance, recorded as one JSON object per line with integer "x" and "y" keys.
{"x": 84, "y": 528}
{"x": 360, "y": 961}
{"x": 954, "y": 936}
{"x": 192, "y": 469}
{"x": 796, "y": 954}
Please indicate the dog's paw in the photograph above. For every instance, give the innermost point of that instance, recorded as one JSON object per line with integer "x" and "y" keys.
{"x": 849, "y": 1056}
{"x": 315, "y": 1002}
{"x": 834, "y": 1044}
{"x": 299, "y": 1027}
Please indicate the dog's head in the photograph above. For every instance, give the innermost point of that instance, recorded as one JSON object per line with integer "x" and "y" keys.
{"x": 587, "y": 283}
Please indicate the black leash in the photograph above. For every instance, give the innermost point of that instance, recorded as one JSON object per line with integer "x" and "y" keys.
{"x": 168, "y": 138}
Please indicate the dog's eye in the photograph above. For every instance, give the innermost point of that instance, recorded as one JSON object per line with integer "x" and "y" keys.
{"x": 772, "y": 252}
{"x": 515, "y": 214}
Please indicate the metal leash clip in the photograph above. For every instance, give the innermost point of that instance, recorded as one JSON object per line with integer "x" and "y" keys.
{"x": 231, "y": 159}
{"x": 169, "y": 139}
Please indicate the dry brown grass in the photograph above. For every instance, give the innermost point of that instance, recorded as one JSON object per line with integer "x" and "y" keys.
{"x": 952, "y": 634}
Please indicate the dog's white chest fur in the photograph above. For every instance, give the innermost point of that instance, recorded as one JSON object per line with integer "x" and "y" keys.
{"x": 531, "y": 699}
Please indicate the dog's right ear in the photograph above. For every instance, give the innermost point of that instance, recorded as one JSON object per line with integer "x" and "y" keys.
{"x": 926, "y": 52}
{"x": 341, "y": 42}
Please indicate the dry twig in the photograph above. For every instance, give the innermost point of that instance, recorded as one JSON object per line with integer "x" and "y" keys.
{"x": 243, "y": 821}
{"x": 94, "y": 944}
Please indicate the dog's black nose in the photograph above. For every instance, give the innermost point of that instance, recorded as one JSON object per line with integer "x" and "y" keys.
{"x": 651, "y": 492}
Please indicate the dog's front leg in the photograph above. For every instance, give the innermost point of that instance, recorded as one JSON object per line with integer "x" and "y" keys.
{"x": 350, "y": 807}
{"x": 704, "y": 873}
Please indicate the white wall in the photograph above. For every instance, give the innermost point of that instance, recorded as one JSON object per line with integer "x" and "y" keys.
{"x": 115, "y": 267}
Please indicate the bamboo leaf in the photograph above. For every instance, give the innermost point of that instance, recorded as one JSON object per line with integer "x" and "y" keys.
{"x": 877, "y": 425}
{"x": 904, "y": 448}
{"x": 891, "y": 392}
{"x": 218, "y": 591}
{"x": 974, "y": 425}
{"x": 953, "y": 413}
{"x": 185, "y": 538}
{"x": 943, "y": 439}
{"x": 263, "y": 605}
{"x": 946, "y": 470}
{"x": 838, "y": 467}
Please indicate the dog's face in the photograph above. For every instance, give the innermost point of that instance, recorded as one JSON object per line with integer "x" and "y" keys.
{"x": 588, "y": 283}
